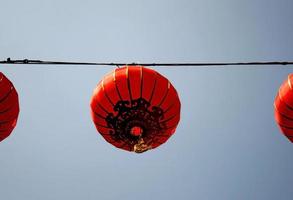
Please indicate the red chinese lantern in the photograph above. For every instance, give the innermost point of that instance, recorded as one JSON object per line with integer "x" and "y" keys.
{"x": 284, "y": 107}
{"x": 9, "y": 107}
{"x": 135, "y": 108}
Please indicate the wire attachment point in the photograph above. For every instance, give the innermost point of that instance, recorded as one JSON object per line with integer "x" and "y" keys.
{"x": 8, "y": 60}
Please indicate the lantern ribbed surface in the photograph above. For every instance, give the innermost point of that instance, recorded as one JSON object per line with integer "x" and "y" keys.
{"x": 284, "y": 107}
{"x": 9, "y": 107}
{"x": 135, "y": 108}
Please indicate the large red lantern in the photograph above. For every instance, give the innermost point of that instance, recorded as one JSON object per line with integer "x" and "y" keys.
{"x": 135, "y": 108}
{"x": 284, "y": 107}
{"x": 9, "y": 107}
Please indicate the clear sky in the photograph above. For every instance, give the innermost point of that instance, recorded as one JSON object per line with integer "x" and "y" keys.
{"x": 227, "y": 145}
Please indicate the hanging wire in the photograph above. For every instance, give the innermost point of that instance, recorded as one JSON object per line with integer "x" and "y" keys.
{"x": 41, "y": 62}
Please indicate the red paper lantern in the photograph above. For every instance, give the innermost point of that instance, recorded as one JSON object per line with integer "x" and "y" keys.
{"x": 284, "y": 107}
{"x": 135, "y": 108}
{"x": 9, "y": 107}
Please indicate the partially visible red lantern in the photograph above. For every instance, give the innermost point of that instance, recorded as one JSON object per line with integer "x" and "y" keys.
{"x": 284, "y": 107}
{"x": 9, "y": 107}
{"x": 135, "y": 108}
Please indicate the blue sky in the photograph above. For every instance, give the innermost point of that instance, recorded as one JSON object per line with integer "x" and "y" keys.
{"x": 227, "y": 145}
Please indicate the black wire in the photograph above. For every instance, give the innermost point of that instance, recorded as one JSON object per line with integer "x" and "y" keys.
{"x": 41, "y": 62}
